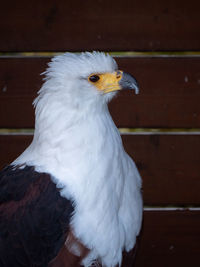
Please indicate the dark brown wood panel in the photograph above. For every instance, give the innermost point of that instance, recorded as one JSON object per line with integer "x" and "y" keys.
{"x": 170, "y": 239}
{"x": 11, "y": 146}
{"x": 169, "y": 165}
{"x": 169, "y": 92}
{"x": 104, "y": 25}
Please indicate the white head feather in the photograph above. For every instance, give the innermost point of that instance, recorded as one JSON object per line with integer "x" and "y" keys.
{"x": 77, "y": 142}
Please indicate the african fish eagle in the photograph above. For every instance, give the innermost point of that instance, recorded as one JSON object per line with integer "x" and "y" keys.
{"x": 73, "y": 197}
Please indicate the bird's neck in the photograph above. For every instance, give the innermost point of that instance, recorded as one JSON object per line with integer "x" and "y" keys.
{"x": 60, "y": 142}
{"x": 71, "y": 124}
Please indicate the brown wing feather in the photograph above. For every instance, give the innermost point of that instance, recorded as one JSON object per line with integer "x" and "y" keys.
{"x": 34, "y": 218}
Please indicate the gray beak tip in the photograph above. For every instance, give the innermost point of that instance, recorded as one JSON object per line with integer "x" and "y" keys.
{"x": 136, "y": 87}
{"x": 129, "y": 82}
{"x": 137, "y": 91}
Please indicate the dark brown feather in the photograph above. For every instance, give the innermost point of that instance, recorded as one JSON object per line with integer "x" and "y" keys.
{"x": 66, "y": 258}
{"x": 34, "y": 218}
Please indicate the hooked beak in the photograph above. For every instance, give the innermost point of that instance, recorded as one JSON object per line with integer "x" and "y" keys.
{"x": 128, "y": 82}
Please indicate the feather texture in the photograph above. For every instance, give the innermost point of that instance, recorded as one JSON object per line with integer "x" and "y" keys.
{"x": 34, "y": 218}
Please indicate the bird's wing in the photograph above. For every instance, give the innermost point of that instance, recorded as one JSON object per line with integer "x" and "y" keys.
{"x": 34, "y": 218}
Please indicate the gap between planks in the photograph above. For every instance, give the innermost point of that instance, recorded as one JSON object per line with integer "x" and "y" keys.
{"x": 129, "y": 54}
{"x": 171, "y": 208}
{"x": 123, "y": 131}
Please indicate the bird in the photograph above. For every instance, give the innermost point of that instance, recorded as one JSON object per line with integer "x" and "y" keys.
{"x": 73, "y": 197}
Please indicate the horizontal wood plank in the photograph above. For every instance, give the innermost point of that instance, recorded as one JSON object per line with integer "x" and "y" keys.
{"x": 169, "y": 92}
{"x": 102, "y": 25}
{"x": 169, "y": 164}
{"x": 169, "y": 239}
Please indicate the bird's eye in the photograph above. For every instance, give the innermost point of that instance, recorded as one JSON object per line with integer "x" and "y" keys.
{"x": 94, "y": 78}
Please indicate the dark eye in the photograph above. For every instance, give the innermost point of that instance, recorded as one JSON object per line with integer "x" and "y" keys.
{"x": 94, "y": 78}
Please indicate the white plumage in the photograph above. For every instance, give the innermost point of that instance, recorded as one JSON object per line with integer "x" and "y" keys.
{"x": 77, "y": 142}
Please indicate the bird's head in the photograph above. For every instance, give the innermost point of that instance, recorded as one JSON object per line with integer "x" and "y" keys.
{"x": 76, "y": 82}
{"x": 86, "y": 76}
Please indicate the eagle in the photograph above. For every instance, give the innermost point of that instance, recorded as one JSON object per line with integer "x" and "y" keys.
{"x": 73, "y": 197}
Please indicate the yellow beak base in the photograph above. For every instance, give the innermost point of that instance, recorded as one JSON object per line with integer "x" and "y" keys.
{"x": 108, "y": 82}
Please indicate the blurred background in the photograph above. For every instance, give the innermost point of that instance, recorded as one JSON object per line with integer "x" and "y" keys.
{"x": 159, "y": 43}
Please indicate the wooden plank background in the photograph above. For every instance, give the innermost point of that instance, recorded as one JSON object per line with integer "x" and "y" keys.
{"x": 104, "y": 25}
{"x": 169, "y": 238}
{"x": 169, "y": 92}
{"x": 169, "y": 98}
{"x": 168, "y": 164}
